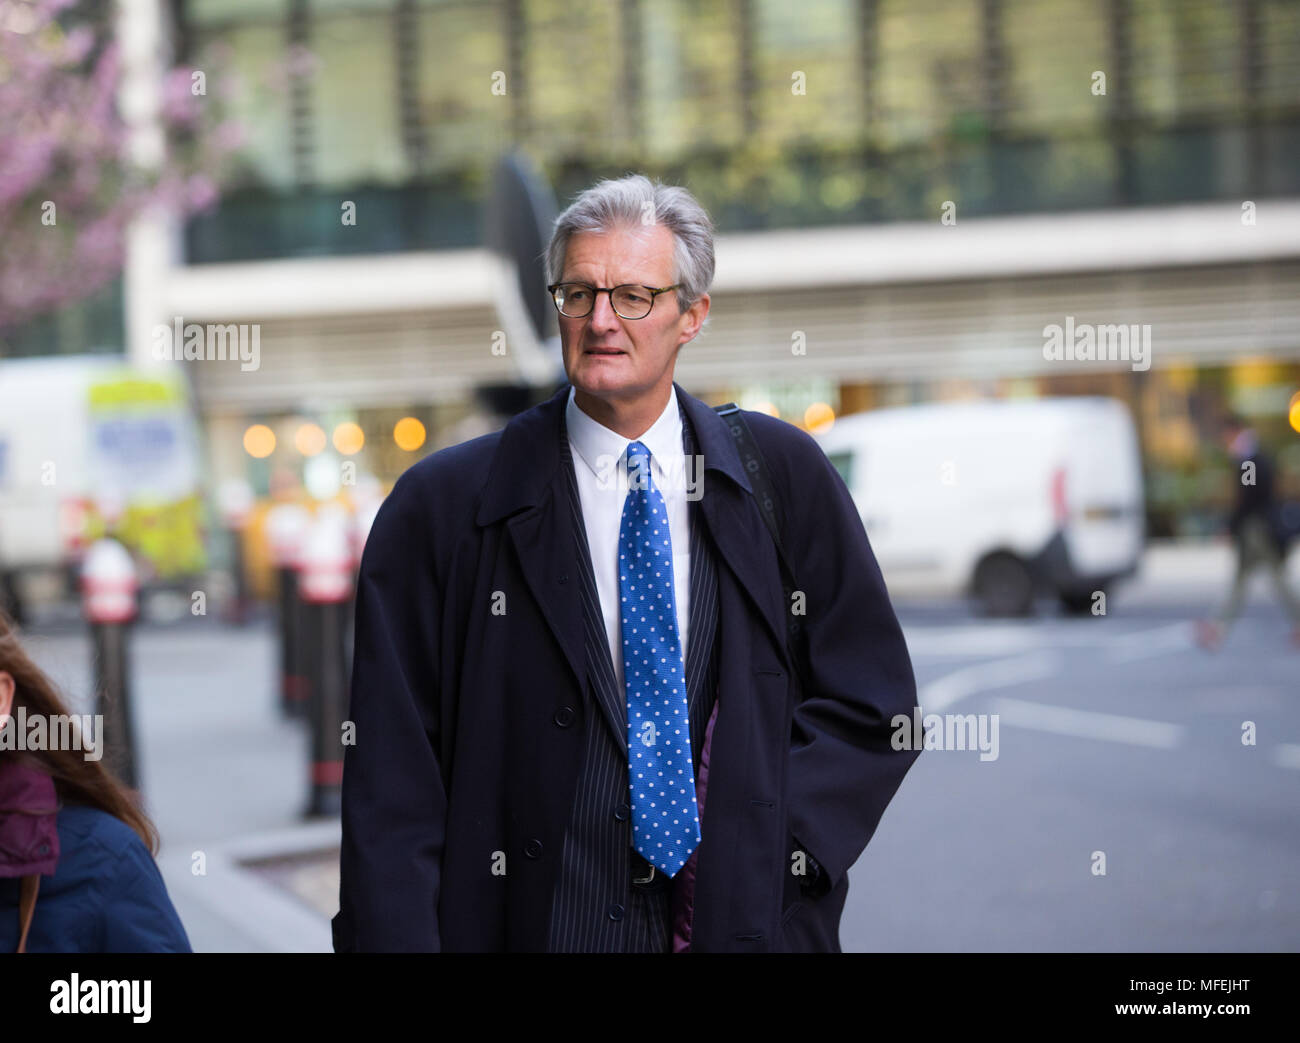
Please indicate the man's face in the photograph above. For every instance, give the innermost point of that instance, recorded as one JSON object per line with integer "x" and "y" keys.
{"x": 614, "y": 358}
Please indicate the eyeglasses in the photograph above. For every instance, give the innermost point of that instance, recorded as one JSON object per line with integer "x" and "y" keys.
{"x": 629, "y": 301}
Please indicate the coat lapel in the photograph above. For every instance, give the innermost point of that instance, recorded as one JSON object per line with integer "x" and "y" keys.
{"x": 524, "y": 487}
{"x": 734, "y": 519}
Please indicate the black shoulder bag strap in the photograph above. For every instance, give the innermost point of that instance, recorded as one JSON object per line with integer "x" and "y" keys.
{"x": 760, "y": 479}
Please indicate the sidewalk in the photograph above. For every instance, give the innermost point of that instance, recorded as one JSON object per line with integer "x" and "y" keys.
{"x": 224, "y": 777}
{"x": 1195, "y": 576}
{"x": 1191, "y": 577}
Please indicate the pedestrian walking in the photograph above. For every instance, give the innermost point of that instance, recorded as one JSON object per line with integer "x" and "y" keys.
{"x": 585, "y": 719}
{"x": 1256, "y": 530}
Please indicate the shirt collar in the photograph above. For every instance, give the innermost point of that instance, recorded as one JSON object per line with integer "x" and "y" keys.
{"x": 599, "y": 447}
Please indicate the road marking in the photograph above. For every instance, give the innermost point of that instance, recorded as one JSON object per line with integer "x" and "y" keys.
{"x": 939, "y": 694}
{"x": 965, "y": 641}
{"x": 1087, "y": 724}
{"x": 988, "y": 639}
{"x": 1288, "y": 755}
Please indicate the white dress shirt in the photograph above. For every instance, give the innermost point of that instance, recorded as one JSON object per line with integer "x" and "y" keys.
{"x": 600, "y": 465}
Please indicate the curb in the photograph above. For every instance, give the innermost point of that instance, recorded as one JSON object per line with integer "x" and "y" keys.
{"x": 243, "y": 898}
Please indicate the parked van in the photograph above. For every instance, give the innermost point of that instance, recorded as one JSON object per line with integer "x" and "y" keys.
{"x": 997, "y": 500}
{"x": 91, "y": 447}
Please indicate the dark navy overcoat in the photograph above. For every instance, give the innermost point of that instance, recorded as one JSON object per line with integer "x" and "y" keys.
{"x": 469, "y": 640}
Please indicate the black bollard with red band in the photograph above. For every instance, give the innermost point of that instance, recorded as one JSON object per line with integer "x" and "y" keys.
{"x": 286, "y": 525}
{"x": 109, "y": 591}
{"x": 325, "y": 589}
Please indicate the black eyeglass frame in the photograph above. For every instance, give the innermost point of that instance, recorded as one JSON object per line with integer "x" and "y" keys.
{"x": 597, "y": 290}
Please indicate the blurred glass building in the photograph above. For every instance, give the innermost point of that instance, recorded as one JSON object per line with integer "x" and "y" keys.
{"x": 908, "y": 193}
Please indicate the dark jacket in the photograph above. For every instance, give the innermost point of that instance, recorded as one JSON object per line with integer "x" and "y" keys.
{"x": 1253, "y": 499}
{"x": 100, "y": 890}
{"x": 1259, "y": 500}
{"x": 469, "y": 638}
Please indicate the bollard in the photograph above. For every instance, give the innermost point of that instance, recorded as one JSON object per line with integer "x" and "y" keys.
{"x": 108, "y": 600}
{"x": 236, "y": 501}
{"x": 325, "y": 588}
{"x": 285, "y": 525}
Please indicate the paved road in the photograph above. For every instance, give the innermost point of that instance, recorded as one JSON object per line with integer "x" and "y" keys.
{"x": 1114, "y": 736}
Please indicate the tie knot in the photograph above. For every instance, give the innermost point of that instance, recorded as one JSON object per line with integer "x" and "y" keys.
{"x": 638, "y": 457}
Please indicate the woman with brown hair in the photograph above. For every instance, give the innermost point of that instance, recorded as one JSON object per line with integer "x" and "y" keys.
{"x": 64, "y": 818}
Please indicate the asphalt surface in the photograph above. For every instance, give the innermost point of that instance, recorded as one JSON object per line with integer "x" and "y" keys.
{"x": 1116, "y": 737}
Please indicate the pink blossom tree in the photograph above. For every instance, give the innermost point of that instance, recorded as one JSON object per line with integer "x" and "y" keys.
{"x": 68, "y": 188}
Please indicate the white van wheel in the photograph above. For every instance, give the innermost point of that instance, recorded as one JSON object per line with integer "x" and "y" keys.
{"x": 1003, "y": 585}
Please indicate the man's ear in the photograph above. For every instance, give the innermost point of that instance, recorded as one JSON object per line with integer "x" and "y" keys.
{"x": 6, "y": 696}
{"x": 695, "y": 319}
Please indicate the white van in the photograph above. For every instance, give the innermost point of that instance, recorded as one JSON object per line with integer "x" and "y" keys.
{"x": 88, "y": 447}
{"x": 999, "y": 500}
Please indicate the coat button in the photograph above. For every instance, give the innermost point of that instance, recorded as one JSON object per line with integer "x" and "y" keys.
{"x": 564, "y": 578}
{"x": 623, "y": 812}
{"x": 615, "y": 911}
{"x": 564, "y": 716}
{"x": 44, "y": 849}
{"x": 533, "y": 848}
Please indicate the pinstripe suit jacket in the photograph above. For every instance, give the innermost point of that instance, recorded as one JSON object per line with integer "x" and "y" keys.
{"x": 597, "y": 907}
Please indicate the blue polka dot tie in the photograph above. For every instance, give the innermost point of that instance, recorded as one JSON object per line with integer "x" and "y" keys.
{"x": 665, "y": 820}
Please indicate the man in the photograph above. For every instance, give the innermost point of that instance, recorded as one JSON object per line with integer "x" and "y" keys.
{"x": 575, "y": 709}
{"x": 1253, "y": 527}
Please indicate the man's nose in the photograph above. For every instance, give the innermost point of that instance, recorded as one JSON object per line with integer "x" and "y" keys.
{"x": 603, "y": 316}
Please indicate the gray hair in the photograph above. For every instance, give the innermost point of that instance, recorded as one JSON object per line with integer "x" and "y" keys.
{"x": 633, "y": 201}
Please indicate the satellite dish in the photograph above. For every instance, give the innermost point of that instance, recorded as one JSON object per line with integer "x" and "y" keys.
{"x": 520, "y": 213}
